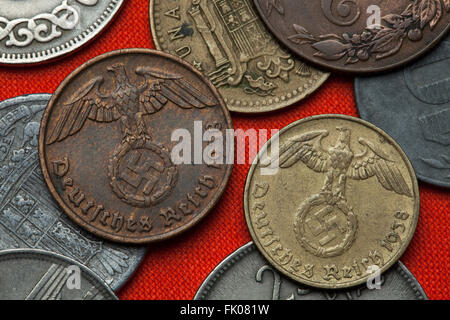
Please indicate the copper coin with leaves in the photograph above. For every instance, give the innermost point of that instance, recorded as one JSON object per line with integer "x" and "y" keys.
{"x": 363, "y": 36}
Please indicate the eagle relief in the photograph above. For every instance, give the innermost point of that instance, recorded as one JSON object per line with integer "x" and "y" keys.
{"x": 141, "y": 171}
{"x": 109, "y": 142}
{"x": 318, "y": 215}
{"x": 343, "y": 199}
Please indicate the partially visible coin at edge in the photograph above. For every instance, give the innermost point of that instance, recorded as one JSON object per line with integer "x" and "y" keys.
{"x": 30, "y": 274}
{"x": 227, "y": 41}
{"x": 413, "y": 106}
{"x": 246, "y": 275}
{"x": 339, "y": 202}
{"x": 363, "y": 36}
{"x": 34, "y": 31}
{"x": 29, "y": 217}
{"x": 107, "y": 145}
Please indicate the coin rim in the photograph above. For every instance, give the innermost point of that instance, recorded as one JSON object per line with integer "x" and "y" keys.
{"x": 248, "y": 248}
{"x": 69, "y": 46}
{"x": 404, "y": 244}
{"x": 72, "y": 215}
{"x": 364, "y": 114}
{"x": 47, "y": 256}
{"x": 302, "y": 95}
{"x": 359, "y": 71}
{"x": 45, "y": 97}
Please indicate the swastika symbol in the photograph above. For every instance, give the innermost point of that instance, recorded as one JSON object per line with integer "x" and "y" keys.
{"x": 324, "y": 223}
{"x": 139, "y": 172}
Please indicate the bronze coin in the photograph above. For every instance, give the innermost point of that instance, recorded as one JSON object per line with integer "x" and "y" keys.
{"x": 341, "y": 203}
{"x": 361, "y": 36}
{"x": 107, "y": 146}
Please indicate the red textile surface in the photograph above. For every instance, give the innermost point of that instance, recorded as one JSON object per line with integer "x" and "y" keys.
{"x": 176, "y": 268}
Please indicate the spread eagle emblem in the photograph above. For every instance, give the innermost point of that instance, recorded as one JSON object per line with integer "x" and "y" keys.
{"x": 129, "y": 103}
{"x": 339, "y": 163}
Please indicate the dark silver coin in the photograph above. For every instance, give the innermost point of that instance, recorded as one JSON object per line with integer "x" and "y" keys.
{"x": 30, "y": 274}
{"x": 245, "y": 274}
{"x": 29, "y": 218}
{"x": 413, "y": 107}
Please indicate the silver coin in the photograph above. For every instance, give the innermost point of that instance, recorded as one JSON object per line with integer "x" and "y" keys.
{"x": 30, "y": 274}
{"x": 29, "y": 217}
{"x": 413, "y": 106}
{"x": 33, "y": 31}
{"x": 246, "y": 275}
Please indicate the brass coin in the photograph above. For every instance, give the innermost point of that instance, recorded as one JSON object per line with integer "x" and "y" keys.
{"x": 227, "y": 41}
{"x": 106, "y": 146}
{"x": 341, "y": 202}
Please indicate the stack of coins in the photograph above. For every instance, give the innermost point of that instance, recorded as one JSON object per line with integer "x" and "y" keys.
{"x": 130, "y": 151}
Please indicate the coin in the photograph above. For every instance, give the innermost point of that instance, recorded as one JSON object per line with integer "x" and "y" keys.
{"x": 362, "y": 36}
{"x": 227, "y": 41}
{"x": 413, "y": 106}
{"x": 34, "y": 31}
{"x": 29, "y": 217}
{"x": 30, "y": 274}
{"x": 108, "y": 152}
{"x": 338, "y": 200}
{"x": 246, "y": 275}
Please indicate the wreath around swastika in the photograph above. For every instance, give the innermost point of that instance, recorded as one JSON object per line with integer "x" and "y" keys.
{"x": 155, "y": 197}
{"x": 317, "y": 250}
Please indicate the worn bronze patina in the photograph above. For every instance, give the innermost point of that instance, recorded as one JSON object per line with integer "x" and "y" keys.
{"x": 106, "y": 146}
{"x": 227, "y": 41}
{"x": 340, "y": 202}
{"x": 357, "y": 36}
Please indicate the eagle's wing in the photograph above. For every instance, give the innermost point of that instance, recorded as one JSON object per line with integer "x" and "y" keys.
{"x": 374, "y": 162}
{"x": 307, "y": 148}
{"x": 88, "y": 102}
{"x": 159, "y": 88}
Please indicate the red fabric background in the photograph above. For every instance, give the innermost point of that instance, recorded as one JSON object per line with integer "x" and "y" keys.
{"x": 176, "y": 268}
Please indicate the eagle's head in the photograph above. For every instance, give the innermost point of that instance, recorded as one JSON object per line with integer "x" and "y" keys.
{"x": 119, "y": 72}
{"x": 116, "y": 68}
{"x": 344, "y": 136}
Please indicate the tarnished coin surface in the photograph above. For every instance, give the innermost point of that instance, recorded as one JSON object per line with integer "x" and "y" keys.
{"x": 31, "y": 274}
{"x": 360, "y": 36}
{"x": 413, "y": 106}
{"x": 246, "y": 275}
{"x": 227, "y": 41}
{"x": 33, "y": 31}
{"x": 29, "y": 217}
{"x": 122, "y": 149}
{"x": 337, "y": 200}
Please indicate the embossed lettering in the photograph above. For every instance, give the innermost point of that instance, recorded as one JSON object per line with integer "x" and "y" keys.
{"x": 145, "y": 224}
{"x": 76, "y": 197}
{"x": 104, "y": 217}
{"x": 347, "y": 11}
{"x": 61, "y": 167}
{"x": 117, "y": 222}
{"x": 260, "y": 190}
{"x": 170, "y": 216}
{"x": 173, "y": 13}
{"x": 331, "y": 271}
{"x": 183, "y": 52}
{"x": 309, "y": 271}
